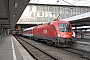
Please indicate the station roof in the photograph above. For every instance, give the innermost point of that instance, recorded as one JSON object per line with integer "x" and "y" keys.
{"x": 10, "y": 11}
{"x": 79, "y": 20}
{"x": 63, "y": 2}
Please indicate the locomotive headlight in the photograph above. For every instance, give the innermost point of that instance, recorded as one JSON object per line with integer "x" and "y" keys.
{"x": 58, "y": 35}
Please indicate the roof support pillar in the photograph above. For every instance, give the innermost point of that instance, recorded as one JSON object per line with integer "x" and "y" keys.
{"x": 89, "y": 32}
{"x": 1, "y": 31}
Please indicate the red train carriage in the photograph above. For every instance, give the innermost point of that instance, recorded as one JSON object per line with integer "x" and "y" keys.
{"x": 13, "y": 32}
{"x": 57, "y": 32}
{"x": 28, "y": 32}
{"x": 17, "y": 32}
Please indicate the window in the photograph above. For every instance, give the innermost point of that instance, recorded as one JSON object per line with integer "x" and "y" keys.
{"x": 53, "y": 28}
{"x": 64, "y": 27}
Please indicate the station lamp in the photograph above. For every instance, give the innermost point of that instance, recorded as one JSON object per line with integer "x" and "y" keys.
{"x": 14, "y": 15}
{"x": 16, "y": 4}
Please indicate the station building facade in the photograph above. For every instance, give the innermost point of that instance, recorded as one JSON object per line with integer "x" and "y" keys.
{"x": 47, "y": 13}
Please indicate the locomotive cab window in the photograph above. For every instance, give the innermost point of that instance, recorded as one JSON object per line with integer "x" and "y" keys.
{"x": 64, "y": 27}
{"x": 53, "y": 28}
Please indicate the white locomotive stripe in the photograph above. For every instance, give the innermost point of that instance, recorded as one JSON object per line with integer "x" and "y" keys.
{"x": 13, "y": 50}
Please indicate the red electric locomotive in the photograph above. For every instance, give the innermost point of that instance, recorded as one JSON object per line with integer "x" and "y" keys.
{"x": 58, "y": 32}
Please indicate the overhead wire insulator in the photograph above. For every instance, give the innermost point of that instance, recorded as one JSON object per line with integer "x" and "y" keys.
{"x": 57, "y": 1}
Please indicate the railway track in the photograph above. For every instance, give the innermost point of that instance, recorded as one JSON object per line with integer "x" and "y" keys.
{"x": 36, "y": 53}
{"x": 52, "y": 53}
{"x": 81, "y": 46}
{"x": 80, "y": 53}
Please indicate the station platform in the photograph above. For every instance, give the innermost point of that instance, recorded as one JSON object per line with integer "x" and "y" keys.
{"x": 85, "y": 41}
{"x": 10, "y": 49}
